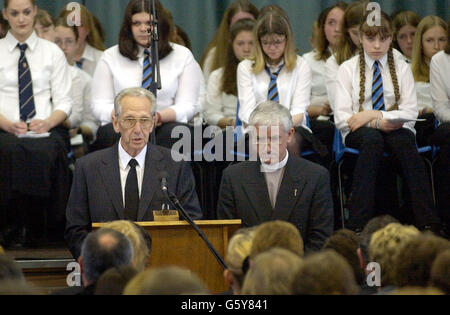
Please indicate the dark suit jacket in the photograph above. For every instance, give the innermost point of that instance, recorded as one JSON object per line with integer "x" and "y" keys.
{"x": 244, "y": 195}
{"x": 96, "y": 194}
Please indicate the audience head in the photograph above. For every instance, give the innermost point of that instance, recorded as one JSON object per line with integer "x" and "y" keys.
{"x": 66, "y": 38}
{"x": 346, "y": 242}
{"x": 324, "y": 273}
{"x": 371, "y": 227}
{"x": 271, "y": 273}
{"x": 44, "y": 25}
{"x": 237, "y": 257}
{"x": 440, "y": 272}
{"x": 385, "y": 245}
{"x": 329, "y": 26}
{"x": 141, "y": 251}
{"x": 133, "y": 118}
{"x": 20, "y": 15}
{"x": 431, "y": 37}
{"x": 271, "y": 122}
{"x": 405, "y": 24}
{"x": 415, "y": 259}
{"x": 90, "y": 29}
{"x": 417, "y": 291}
{"x": 165, "y": 281}
{"x": 281, "y": 234}
{"x": 17, "y": 287}
{"x": 274, "y": 41}
{"x": 10, "y": 270}
{"x": 103, "y": 249}
{"x": 114, "y": 280}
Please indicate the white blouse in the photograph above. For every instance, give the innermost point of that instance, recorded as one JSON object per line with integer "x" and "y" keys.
{"x": 440, "y": 85}
{"x": 423, "y": 95}
{"x": 331, "y": 70}
{"x": 318, "y": 87}
{"x": 91, "y": 56}
{"x": 347, "y": 91}
{"x": 218, "y": 103}
{"x": 294, "y": 88}
{"x": 52, "y": 81}
{"x": 181, "y": 79}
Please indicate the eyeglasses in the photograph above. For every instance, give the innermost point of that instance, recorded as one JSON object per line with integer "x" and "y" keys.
{"x": 129, "y": 123}
{"x": 277, "y": 43}
{"x": 66, "y": 42}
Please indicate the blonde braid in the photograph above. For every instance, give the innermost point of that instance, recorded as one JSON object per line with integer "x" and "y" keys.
{"x": 393, "y": 73}
{"x": 362, "y": 79}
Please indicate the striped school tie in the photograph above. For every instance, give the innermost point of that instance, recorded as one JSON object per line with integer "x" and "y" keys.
{"x": 377, "y": 88}
{"x": 272, "y": 95}
{"x": 147, "y": 72}
{"x": 238, "y": 129}
{"x": 79, "y": 64}
{"x": 26, "y": 99}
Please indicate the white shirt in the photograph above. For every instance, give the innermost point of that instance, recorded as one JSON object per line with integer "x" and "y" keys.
{"x": 318, "y": 87}
{"x": 207, "y": 64}
{"x": 52, "y": 81}
{"x": 294, "y": 88}
{"x": 347, "y": 91}
{"x": 440, "y": 85}
{"x": 423, "y": 95}
{"x": 91, "y": 56}
{"x": 218, "y": 103}
{"x": 77, "y": 97}
{"x": 181, "y": 78}
{"x": 331, "y": 70}
{"x": 124, "y": 168}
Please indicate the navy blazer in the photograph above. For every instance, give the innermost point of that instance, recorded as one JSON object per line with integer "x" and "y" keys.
{"x": 96, "y": 194}
{"x": 304, "y": 198}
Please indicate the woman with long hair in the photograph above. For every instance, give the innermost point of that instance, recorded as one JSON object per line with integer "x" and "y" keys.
{"x": 405, "y": 25}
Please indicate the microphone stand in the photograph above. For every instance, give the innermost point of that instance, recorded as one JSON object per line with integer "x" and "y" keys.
{"x": 153, "y": 41}
{"x": 174, "y": 200}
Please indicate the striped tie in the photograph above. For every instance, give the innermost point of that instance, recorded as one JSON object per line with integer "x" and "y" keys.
{"x": 147, "y": 72}
{"x": 273, "y": 90}
{"x": 377, "y": 88}
{"x": 79, "y": 64}
{"x": 238, "y": 127}
{"x": 26, "y": 99}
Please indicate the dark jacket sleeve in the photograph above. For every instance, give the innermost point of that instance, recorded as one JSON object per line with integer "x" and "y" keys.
{"x": 78, "y": 222}
{"x": 226, "y": 205}
{"x": 186, "y": 192}
{"x": 321, "y": 214}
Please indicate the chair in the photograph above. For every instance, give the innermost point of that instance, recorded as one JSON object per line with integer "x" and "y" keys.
{"x": 339, "y": 150}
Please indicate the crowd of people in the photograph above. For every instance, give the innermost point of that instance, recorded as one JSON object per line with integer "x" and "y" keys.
{"x": 85, "y": 136}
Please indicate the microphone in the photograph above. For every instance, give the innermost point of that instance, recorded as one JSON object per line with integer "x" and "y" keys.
{"x": 175, "y": 202}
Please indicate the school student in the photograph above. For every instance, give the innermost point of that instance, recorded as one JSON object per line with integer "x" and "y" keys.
{"x": 375, "y": 110}
{"x": 404, "y": 24}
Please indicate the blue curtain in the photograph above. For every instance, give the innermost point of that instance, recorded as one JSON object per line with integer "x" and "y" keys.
{"x": 200, "y": 18}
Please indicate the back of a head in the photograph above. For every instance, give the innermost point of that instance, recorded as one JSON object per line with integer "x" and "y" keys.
{"x": 440, "y": 272}
{"x": 324, "y": 273}
{"x": 417, "y": 291}
{"x": 385, "y": 246}
{"x": 114, "y": 280}
{"x": 346, "y": 243}
{"x": 165, "y": 281}
{"x": 17, "y": 287}
{"x": 10, "y": 270}
{"x": 104, "y": 249}
{"x": 271, "y": 273}
{"x": 416, "y": 257}
{"x": 371, "y": 227}
{"x": 277, "y": 233}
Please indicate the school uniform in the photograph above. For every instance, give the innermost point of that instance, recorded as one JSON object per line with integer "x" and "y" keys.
{"x": 318, "y": 87}
{"x": 89, "y": 59}
{"x": 372, "y": 143}
{"x": 440, "y": 95}
{"x": 34, "y": 167}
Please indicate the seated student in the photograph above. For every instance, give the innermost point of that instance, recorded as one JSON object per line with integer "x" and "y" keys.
{"x": 35, "y": 177}
{"x": 91, "y": 38}
{"x": 81, "y": 120}
{"x": 404, "y": 24}
{"x": 128, "y": 65}
{"x": 215, "y": 53}
{"x": 114, "y": 280}
{"x": 221, "y": 93}
{"x": 431, "y": 37}
{"x": 374, "y": 90}
{"x": 44, "y": 25}
{"x": 277, "y": 186}
{"x": 440, "y": 95}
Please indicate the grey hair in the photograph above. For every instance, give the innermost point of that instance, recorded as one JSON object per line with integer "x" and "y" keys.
{"x": 269, "y": 113}
{"x": 135, "y": 91}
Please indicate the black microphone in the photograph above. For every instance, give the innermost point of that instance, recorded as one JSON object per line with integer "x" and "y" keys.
{"x": 175, "y": 202}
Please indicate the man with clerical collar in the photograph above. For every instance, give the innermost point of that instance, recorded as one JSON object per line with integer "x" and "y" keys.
{"x": 124, "y": 181}
{"x": 278, "y": 186}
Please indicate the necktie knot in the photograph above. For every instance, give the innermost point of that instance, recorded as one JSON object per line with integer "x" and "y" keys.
{"x": 22, "y": 47}
{"x": 133, "y": 163}
{"x": 146, "y": 52}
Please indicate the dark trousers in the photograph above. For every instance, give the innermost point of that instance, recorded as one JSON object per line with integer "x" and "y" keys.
{"x": 401, "y": 144}
{"x": 441, "y": 138}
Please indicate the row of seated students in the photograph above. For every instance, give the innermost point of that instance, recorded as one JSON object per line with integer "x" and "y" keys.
{"x": 252, "y": 58}
{"x": 388, "y": 258}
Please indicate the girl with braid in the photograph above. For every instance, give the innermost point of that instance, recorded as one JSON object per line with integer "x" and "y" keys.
{"x": 376, "y": 108}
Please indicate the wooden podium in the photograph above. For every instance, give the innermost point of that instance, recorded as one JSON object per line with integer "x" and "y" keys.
{"x": 177, "y": 243}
